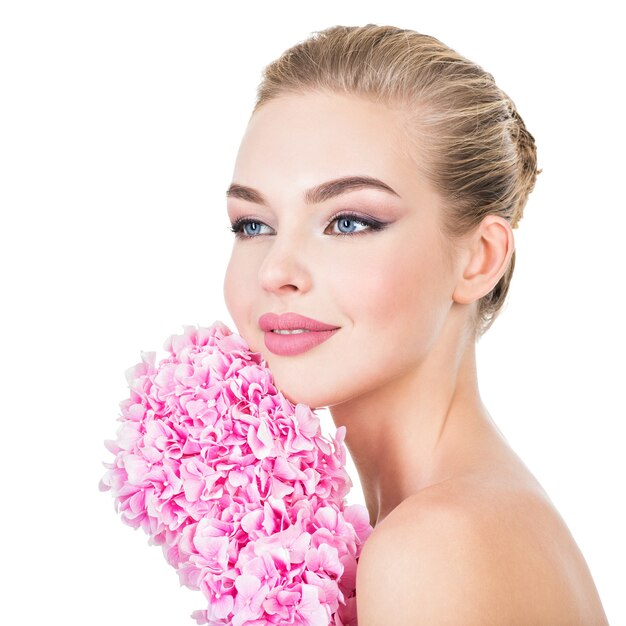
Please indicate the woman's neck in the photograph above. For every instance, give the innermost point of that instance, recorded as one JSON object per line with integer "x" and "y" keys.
{"x": 416, "y": 431}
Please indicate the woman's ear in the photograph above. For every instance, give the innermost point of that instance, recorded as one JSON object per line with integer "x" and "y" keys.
{"x": 486, "y": 256}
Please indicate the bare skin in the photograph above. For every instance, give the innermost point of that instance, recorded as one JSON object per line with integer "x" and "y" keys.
{"x": 473, "y": 469}
{"x": 524, "y": 567}
{"x": 400, "y": 373}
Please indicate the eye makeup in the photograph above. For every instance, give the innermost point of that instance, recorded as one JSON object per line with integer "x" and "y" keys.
{"x": 238, "y": 225}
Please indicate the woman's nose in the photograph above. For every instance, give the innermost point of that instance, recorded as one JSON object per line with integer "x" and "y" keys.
{"x": 284, "y": 267}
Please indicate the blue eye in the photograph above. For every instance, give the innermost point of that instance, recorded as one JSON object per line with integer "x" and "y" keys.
{"x": 342, "y": 220}
{"x": 238, "y": 227}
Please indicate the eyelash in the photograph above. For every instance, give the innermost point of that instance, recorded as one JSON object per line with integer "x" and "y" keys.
{"x": 237, "y": 226}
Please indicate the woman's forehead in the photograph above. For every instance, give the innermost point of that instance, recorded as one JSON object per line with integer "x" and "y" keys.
{"x": 314, "y": 138}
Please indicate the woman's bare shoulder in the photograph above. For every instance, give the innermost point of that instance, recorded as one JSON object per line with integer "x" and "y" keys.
{"x": 475, "y": 552}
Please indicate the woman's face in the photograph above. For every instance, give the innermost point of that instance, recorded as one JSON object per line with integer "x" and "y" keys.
{"x": 388, "y": 290}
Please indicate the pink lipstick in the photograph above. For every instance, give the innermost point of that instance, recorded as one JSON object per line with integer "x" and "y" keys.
{"x": 308, "y": 333}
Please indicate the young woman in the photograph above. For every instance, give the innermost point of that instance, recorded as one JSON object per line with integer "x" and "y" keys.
{"x": 374, "y": 198}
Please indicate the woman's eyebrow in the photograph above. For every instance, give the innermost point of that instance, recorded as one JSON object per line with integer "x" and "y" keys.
{"x": 319, "y": 193}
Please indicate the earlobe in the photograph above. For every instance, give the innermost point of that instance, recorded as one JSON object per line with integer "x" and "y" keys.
{"x": 487, "y": 256}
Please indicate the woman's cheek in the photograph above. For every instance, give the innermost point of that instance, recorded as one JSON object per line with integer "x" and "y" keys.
{"x": 229, "y": 292}
{"x": 237, "y": 295}
{"x": 382, "y": 281}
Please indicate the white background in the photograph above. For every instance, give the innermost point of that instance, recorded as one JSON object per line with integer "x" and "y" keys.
{"x": 119, "y": 127}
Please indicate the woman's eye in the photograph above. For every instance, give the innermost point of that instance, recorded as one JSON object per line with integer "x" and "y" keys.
{"x": 345, "y": 223}
{"x": 239, "y": 228}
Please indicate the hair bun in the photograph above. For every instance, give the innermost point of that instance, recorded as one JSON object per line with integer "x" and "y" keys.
{"x": 527, "y": 156}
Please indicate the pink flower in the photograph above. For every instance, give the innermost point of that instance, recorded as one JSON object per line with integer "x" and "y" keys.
{"x": 237, "y": 485}
{"x": 249, "y": 599}
{"x": 298, "y": 605}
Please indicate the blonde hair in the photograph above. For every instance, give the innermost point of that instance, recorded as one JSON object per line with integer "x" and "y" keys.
{"x": 473, "y": 145}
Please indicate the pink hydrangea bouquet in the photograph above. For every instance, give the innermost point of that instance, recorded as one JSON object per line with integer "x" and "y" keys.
{"x": 237, "y": 485}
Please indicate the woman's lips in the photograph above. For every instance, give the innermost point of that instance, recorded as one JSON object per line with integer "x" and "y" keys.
{"x": 296, "y": 343}
{"x": 291, "y": 321}
{"x": 310, "y": 332}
